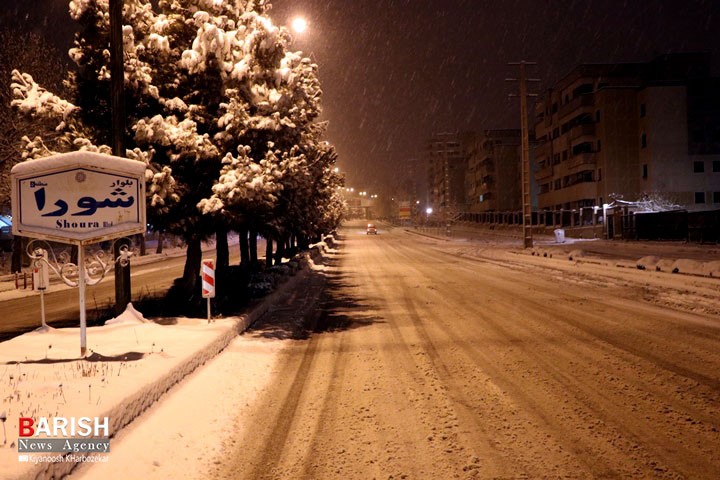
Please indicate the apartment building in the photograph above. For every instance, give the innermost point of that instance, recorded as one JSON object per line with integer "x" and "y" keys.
{"x": 628, "y": 131}
{"x": 493, "y": 179}
{"x": 448, "y": 155}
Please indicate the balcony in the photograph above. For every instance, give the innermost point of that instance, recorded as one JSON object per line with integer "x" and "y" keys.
{"x": 544, "y": 172}
{"x": 582, "y": 101}
{"x": 582, "y": 160}
{"x": 586, "y": 129}
{"x": 579, "y": 191}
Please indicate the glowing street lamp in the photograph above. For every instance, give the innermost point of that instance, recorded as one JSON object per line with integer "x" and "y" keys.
{"x": 299, "y": 25}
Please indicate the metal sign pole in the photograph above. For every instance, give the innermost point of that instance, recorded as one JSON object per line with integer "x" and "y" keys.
{"x": 41, "y": 280}
{"x": 81, "y": 287}
{"x": 42, "y": 309}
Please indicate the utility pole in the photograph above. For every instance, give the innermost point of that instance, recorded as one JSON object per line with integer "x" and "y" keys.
{"x": 525, "y": 152}
{"x": 447, "y": 190}
{"x": 117, "y": 108}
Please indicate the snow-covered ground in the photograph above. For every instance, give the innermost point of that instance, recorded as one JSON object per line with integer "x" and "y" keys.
{"x": 131, "y": 364}
{"x": 187, "y": 430}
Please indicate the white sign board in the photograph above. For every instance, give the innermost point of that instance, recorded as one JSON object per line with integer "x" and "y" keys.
{"x": 78, "y": 197}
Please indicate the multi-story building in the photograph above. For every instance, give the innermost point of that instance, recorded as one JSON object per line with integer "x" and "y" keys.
{"x": 493, "y": 178}
{"x": 448, "y": 155}
{"x": 628, "y": 131}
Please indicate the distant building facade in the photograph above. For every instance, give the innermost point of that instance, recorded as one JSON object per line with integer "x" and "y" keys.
{"x": 448, "y": 155}
{"x": 628, "y": 131}
{"x": 493, "y": 177}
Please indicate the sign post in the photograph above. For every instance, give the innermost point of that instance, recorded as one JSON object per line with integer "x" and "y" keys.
{"x": 78, "y": 198}
{"x": 208, "y": 283}
{"x": 41, "y": 281}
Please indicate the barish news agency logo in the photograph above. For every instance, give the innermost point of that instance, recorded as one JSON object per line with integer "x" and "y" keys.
{"x": 64, "y": 435}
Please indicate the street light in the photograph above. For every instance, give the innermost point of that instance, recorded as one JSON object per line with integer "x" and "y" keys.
{"x": 299, "y": 25}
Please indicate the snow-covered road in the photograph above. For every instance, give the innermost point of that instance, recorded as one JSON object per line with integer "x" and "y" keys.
{"x": 440, "y": 366}
{"x": 445, "y": 360}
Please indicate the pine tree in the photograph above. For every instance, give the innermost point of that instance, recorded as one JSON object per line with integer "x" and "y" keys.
{"x": 221, "y": 112}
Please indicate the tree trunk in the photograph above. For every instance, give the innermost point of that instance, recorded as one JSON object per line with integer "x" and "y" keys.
{"x": 268, "y": 252}
{"x": 193, "y": 260}
{"x": 253, "y": 248}
{"x": 161, "y": 240}
{"x": 222, "y": 250}
{"x": 303, "y": 242}
{"x": 17, "y": 254}
{"x": 143, "y": 247}
{"x": 123, "y": 285}
{"x": 281, "y": 248}
{"x": 244, "y": 247}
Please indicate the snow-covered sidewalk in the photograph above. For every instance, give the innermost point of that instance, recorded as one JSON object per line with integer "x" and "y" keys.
{"x": 132, "y": 364}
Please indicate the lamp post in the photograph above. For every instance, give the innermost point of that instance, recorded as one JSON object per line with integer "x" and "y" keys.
{"x": 117, "y": 109}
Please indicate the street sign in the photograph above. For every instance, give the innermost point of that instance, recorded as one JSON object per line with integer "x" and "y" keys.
{"x": 78, "y": 197}
{"x": 404, "y": 210}
{"x": 208, "y": 279}
{"x": 208, "y": 284}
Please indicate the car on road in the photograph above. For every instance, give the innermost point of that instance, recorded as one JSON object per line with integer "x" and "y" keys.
{"x": 371, "y": 229}
{"x": 5, "y": 233}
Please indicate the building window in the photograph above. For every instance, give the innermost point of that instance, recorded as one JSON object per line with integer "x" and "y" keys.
{"x": 716, "y": 166}
{"x": 599, "y": 175}
{"x": 597, "y": 115}
{"x": 643, "y": 111}
{"x": 599, "y": 145}
{"x": 716, "y": 197}
{"x": 699, "y": 197}
{"x": 585, "y": 147}
{"x": 645, "y": 171}
{"x": 558, "y": 184}
{"x": 699, "y": 167}
{"x": 564, "y": 155}
{"x": 643, "y": 141}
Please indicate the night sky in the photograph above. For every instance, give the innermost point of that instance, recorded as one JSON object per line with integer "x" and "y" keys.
{"x": 394, "y": 71}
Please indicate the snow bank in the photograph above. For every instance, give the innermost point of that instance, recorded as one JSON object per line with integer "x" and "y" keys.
{"x": 711, "y": 269}
{"x": 132, "y": 363}
{"x": 648, "y": 262}
{"x": 130, "y": 315}
{"x": 574, "y": 254}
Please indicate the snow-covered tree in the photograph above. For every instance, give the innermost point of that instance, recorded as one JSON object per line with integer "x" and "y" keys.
{"x": 31, "y": 53}
{"x": 218, "y": 108}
